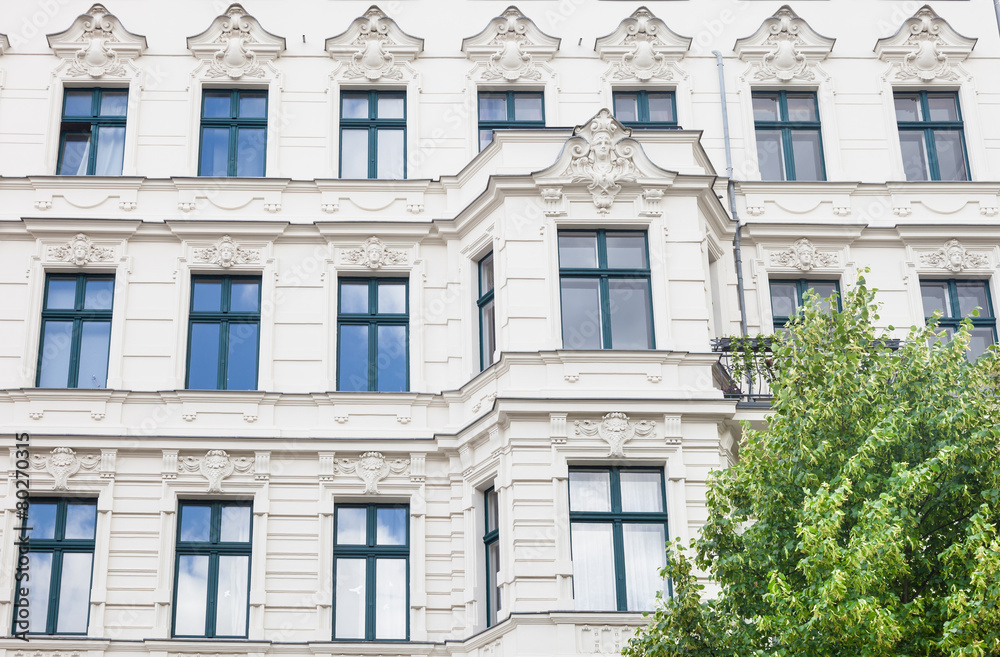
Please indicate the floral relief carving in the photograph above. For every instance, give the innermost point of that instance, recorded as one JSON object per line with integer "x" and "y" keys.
{"x": 97, "y": 45}
{"x": 510, "y": 47}
{"x": 642, "y": 48}
{"x": 371, "y": 468}
{"x": 235, "y": 45}
{"x": 373, "y": 47}
{"x": 374, "y": 254}
{"x": 784, "y": 48}
{"x": 601, "y": 159}
{"x": 225, "y": 253}
{"x": 803, "y": 255}
{"x": 62, "y": 463}
{"x": 615, "y": 429}
{"x": 925, "y": 48}
{"x": 215, "y": 466}
{"x": 954, "y": 257}
{"x": 81, "y": 251}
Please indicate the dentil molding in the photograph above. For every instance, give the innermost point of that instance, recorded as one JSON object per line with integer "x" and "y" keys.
{"x": 373, "y": 47}
{"x": 642, "y": 48}
{"x": 235, "y": 46}
{"x": 926, "y": 48}
{"x": 784, "y": 48}
{"x": 510, "y": 48}
{"x": 96, "y": 45}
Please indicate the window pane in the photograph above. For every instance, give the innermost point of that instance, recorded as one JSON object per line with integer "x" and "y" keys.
{"x": 390, "y": 154}
{"x": 641, "y": 491}
{"x": 95, "y": 343}
{"x": 192, "y": 588}
{"x": 40, "y": 572}
{"x": 808, "y": 155}
{"x": 242, "y": 358}
{"x": 485, "y": 137}
{"x": 972, "y": 294}
{"x": 590, "y": 491}
{"x": 492, "y": 107}
{"x": 214, "y": 152}
{"x": 942, "y": 107}
{"x": 486, "y": 274}
{"x": 75, "y": 155}
{"x": 784, "y": 299}
{"x": 350, "y": 576}
{"x": 244, "y": 297}
{"x": 251, "y": 145}
{"x": 203, "y": 362}
{"x": 42, "y": 520}
{"x": 110, "y": 151}
{"x": 765, "y": 107}
{"x": 577, "y": 250}
{"x": 57, "y": 342}
{"x": 231, "y": 597}
{"x": 216, "y": 105}
{"x": 390, "y": 526}
{"x": 354, "y": 297}
{"x": 979, "y": 341}
{"x": 950, "y": 156}
{"x": 98, "y": 294}
{"x": 235, "y": 524}
{"x": 114, "y": 103}
{"x": 207, "y": 295}
{"x": 488, "y": 326}
{"x": 593, "y": 567}
{"x": 801, "y": 107}
{"x": 390, "y": 598}
{"x": 354, "y": 154}
{"x": 627, "y": 251}
{"x": 352, "y": 524}
{"x": 935, "y": 297}
{"x": 391, "y": 298}
{"x": 914, "y": 155}
{"x": 824, "y": 290}
{"x": 907, "y": 107}
{"x": 770, "y": 156}
{"x": 390, "y": 106}
{"x": 62, "y": 294}
{"x": 353, "y": 358}
{"x": 631, "y": 322}
{"x": 78, "y": 103}
{"x": 493, "y": 569}
{"x": 81, "y": 520}
{"x": 661, "y": 108}
{"x": 252, "y": 105}
{"x": 195, "y": 523}
{"x": 74, "y": 592}
{"x": 581, "y": 313}
{"x": 391, "y": 358}
{"x": 645, "y": 554}
{"x": 528, "y": 107}
{"x": 354, "y": 106}
{"x": 492, "y": 511}
{"x": 625, "y": 107}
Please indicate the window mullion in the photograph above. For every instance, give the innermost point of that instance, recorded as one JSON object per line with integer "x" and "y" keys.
{"x": 55, "y": 579}
{"x": 604, "y": 294}
{"x": 73, "y": 376}
{"x": 220, "y": 380}
{"x": 619, "y": 547}
{"x": 213, "y": 590}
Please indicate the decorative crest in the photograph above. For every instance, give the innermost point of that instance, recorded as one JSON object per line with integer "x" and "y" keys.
{"x": 81, "y": 251}
{"x": 784, "y": 48}
{"x": 925, "y": 48}
{"x": 225, "y": 253}
{"x": 371, "y": 467}
{"x": 215, "y": 466}
{"x": 954, "y": 257}
{"x": 510, "y": 47}
{"x": 96, "y": 45}
{"x": 601, "y": 158}
{"x": 234, "y": 45}
{"x": 373, "y": 253}
{"x": 373, "y": 46}
{"x": 803, "y": 255}
{"x": 642, "y": 48}
{"x": 615, "y": 429}
{"x": 62, "y": 463}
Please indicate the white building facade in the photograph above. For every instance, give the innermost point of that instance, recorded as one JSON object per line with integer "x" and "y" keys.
{"x": 331, "y": 331}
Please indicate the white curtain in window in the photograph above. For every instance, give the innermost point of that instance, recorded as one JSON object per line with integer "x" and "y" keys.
{"x": 110, "y": 151}
{"x": 645, "y": 552}
{"x": 231, "y": 605}
{"x": 593, "y": 567}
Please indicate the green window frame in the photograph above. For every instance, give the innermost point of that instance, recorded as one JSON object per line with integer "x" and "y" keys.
{"x": 85, "y": 310}
{"x": 632, "y": 108}
{"x": 605, "y": 288}
{"x": 238, "y": 332}
{"x": 383, "y": 114}
{"x": 373, "y": 353}
{"x": 491, "y": 543}
{"x": 233, "y": 121}
{"x": 97, "y": 125}
{"x": 926, "y": 139}
{"x": 782, "y": 289}
{"x": 519, "y": 112}
{"x": 957, "y": 298}
{"x": 377, "y": 535}
{"x": 215, "y": 559}
{"x": 70, "y": 572}
{"x": 487, "y": 312}
{"x": 789, "y": 137}
{"x": 624, "y": 524}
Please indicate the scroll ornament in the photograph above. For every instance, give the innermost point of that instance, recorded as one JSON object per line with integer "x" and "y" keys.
{"x": 615, "y": 429}
{"x": 371, "y": 467}
{"x": 215, "y": 466}
{"x": 62, "y": 463}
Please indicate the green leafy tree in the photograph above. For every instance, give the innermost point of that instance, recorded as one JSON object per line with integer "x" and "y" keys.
{"x": 863, "y": 522}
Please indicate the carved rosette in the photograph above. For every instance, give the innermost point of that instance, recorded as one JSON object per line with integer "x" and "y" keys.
{"x": 511, "y": 47}
{"x": 642, "y": 48}
{"x": 371, "y": 468}
{"x": 784, "y": 48}
{"x": 225, "y": 253}
{"x": 374, "y": 254}
{"x": 373, "y": 47}
{"x": 215, "y": 466}
{"x": 96, "y": 45}
{"x": 926, "y": 48}
{"x": 615, "y": 429}
{"x": 601, "y": 159}
{"x": 235, "y": 46}
{"x": 804, "y": 256}
{"x": 954, "y": 257}
{"x": 62, "y": 463}
{"x": 81, "y": 251}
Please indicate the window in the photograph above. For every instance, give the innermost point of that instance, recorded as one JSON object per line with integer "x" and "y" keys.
{"x": 491, "y": 539}
{"x": 789, "y": 146}
{"x": 224, "y": 333}
{"x": 787, "y": 296}
{"x": 76, "y": 331}
{"x": 508, "y": 109}
{"x": 646, "y": 109}
{"x": 931, "y": 136}
{"x": 60, "y": 535}
{"x": 618, "y": 531}
{"x": 955, "y": 300}
{"x": 487, "y": 313}
{"x": 233, "y": 133}
{"x": 373, "y": 134}
{"x": 92, "y": 135}
{"x": 374, "y": 335}
{"x": 211, "y": 592}
{"x": 371, "y": 572}
{"x": 604, "y": 282}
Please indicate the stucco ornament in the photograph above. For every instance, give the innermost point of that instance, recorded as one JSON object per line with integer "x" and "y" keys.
{"x": 373, "y": 47}
{"x": 62, "y": 463}
{"x": 371, "y": 467}
{"x": 784, "y": 48}
{"x": 954, "y": 257}
{"x": 926, "y": 48}
{"x": 374, "y": 254}
{"x": 215, "y": 466}
{"x": 511, "y": 47}
{"x": 235, "y": 46}
{"x": 601, "y": 159}
{"x": 81, "y": 251}
{"x": 803, "y": 255}
{"x": 225, "y": 253}
{"x": 615, "y": 429}
{"x": 96, "y": 45}
{"x": 643, "y": 48}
